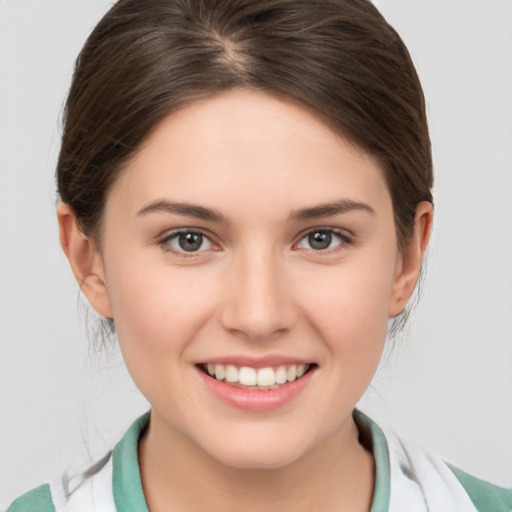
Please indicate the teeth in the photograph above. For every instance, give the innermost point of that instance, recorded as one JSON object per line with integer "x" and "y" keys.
{"x": 266, "y": 377}
{"x": 220, "y": 372}
{"x": 262, "y": 378}
{"x": 281, "y": 377}
{"x": 291, "y": 374}
{"x": 247, "y": 376}
{"x": 231, "y": 373}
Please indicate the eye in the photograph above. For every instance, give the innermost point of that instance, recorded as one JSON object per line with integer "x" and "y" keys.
{"x": 322, "y": 240}
{"x": 187, "y": 241}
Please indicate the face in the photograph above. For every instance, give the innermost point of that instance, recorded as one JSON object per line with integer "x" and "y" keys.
{"x": 247, "y": 242}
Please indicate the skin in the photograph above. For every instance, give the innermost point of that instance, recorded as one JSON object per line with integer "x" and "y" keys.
{"x": 256, "y": 287}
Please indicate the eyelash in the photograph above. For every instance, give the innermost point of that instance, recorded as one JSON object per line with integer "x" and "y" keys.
{"x": 343, "y": 238}
{"x": 165, "y": 242}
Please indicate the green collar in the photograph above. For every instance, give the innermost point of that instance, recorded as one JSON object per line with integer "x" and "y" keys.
{"x": 372, "y": 438}
{"x": 126, "y": 481}
{"x": 127, "y": 485}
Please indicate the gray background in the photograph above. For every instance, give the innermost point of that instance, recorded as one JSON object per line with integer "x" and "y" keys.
{"x": 447, "y": 383}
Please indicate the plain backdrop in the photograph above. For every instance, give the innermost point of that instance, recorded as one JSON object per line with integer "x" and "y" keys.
{"x": 447, "y": 382}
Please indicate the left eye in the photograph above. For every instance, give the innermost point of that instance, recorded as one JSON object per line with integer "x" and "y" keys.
{"x": 188, "y": 241}
{"x": 321, "y": 240}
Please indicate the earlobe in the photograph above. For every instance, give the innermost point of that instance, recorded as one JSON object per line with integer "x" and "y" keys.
{"x": 409, "y": 264}
{"x": 85, "y": 261}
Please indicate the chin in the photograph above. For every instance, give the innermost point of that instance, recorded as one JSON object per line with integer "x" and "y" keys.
{"x": 253, "y": 455}
{"x": 258, "y": 461}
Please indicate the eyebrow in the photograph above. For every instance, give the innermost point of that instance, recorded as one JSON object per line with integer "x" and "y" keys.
{"x": 209, "y": 214}
{"x": 186, "y": 209}
{"x": 331, "y": 209}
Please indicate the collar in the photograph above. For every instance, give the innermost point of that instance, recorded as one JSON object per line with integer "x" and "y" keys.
{"x": 127, "y": 484}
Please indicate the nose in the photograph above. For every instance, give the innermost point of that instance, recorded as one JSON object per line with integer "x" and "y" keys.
{"x": 258, "y": 302}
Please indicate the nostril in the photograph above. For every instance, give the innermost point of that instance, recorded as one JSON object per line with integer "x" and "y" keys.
{"x": 257, "y": 307}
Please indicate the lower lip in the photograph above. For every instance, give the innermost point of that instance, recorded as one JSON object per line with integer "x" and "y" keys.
{"x": 254, "y": 399}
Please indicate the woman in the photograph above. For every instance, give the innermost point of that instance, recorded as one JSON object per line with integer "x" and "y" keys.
{"x": 246, "y": 200}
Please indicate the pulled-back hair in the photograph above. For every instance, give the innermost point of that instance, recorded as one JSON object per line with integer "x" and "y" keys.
{"x": 147, "y": 58}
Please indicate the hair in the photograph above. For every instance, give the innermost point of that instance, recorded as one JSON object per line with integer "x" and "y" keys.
{"x": 147, "y": 58}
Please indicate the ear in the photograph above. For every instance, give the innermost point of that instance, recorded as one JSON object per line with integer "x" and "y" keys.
{"x": 409, "y": 262}
{"x": 85, "y": 260}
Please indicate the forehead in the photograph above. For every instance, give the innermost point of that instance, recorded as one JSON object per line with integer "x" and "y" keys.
{"x": 250, "y": 149}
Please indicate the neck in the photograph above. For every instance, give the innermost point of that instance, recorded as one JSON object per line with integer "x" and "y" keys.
{"x": 338, "y": 474}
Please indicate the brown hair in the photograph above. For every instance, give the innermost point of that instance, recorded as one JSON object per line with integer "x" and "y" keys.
{"x": 147, "y": 57}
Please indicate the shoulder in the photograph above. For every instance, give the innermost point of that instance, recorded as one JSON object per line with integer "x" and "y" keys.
{"x": 39, "y": 499}
{"x": 413, "y": 479}
{"x": 94, "y": 486}
{"x": 82, "y": 487}
{"x": 487, "y": 497}
{"x": 440, "y": 482}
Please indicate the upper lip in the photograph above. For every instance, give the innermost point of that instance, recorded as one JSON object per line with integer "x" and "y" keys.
{"x": 256, "y": 362}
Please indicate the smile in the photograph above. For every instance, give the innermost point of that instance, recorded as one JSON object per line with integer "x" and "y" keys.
{"x": 256, "y": 384}
{"x": 246, "y": 377}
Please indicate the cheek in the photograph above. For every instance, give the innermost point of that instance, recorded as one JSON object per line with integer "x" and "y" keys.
{"x": 158, "y": 308}
{"x": 349, "y": 305}
{"x": 157, "y": 315}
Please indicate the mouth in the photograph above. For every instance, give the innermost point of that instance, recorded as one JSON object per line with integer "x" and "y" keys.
{"x": 261, "y": 379}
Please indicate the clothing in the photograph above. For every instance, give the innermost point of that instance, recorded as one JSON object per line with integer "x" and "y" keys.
{"x": 407, "y": 480}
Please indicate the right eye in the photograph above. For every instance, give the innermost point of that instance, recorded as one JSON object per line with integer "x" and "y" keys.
{"x": 186, "y": 241}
